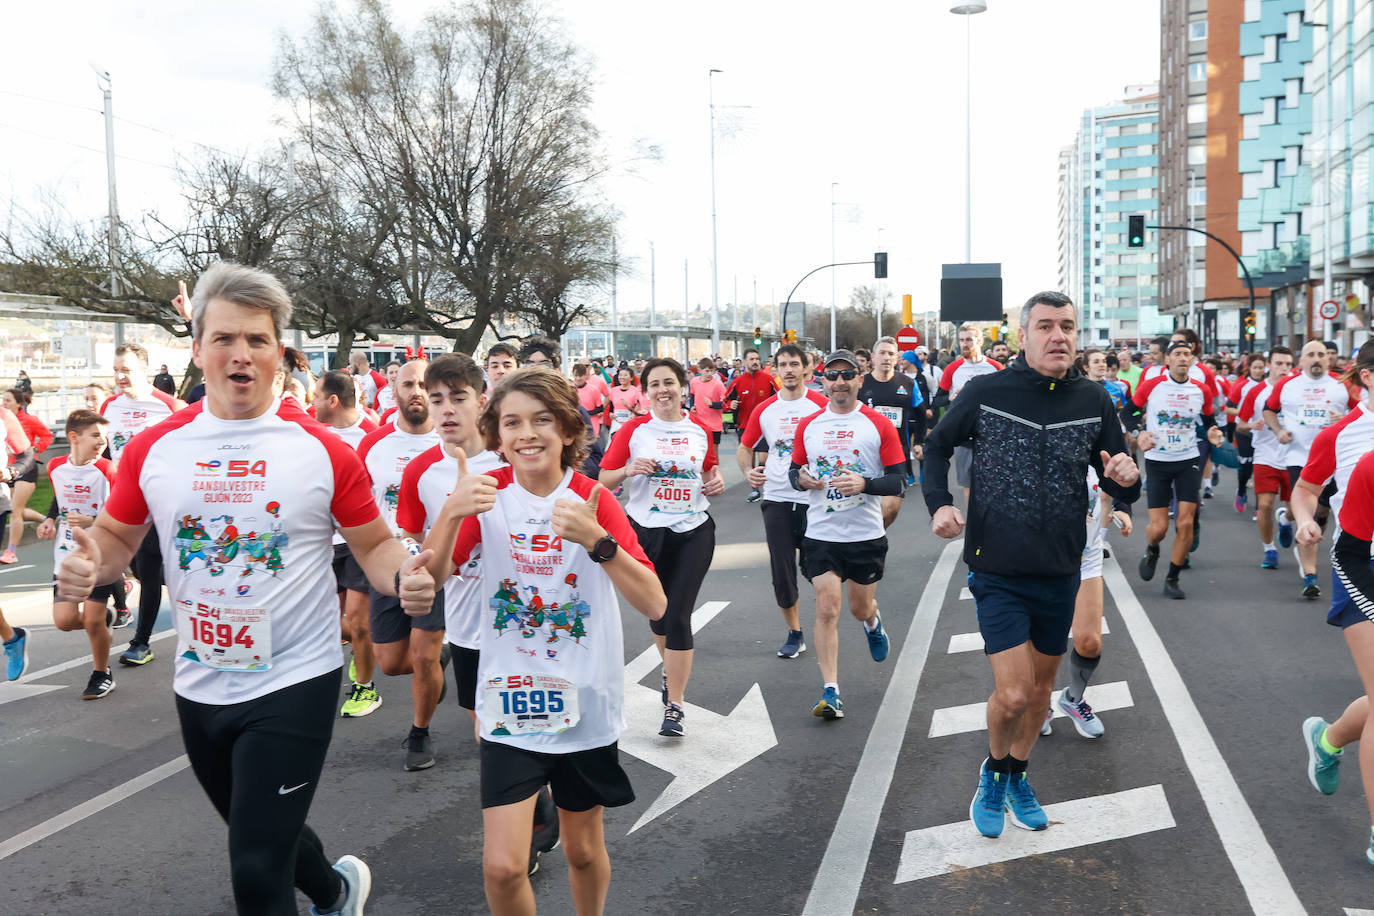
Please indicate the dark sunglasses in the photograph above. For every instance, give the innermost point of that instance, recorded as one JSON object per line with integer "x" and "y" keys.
{"x": 846, "y": 374}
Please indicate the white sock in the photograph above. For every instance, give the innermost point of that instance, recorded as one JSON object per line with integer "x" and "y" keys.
{"x": 871, "y": 625}
{"x": 1271, "y": 546}
{"x": 832, "y": 685}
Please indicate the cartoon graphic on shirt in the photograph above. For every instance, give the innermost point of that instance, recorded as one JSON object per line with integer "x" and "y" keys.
{"x": 783, "y": 447}
{"x": 117, "y": 443}
{"x": 392, "y": 498}
{"x": 829, "y": 467}
{"x": 671, "y": 470}
{"x": 535, "y": 616}
{"x": 250, "y": 552}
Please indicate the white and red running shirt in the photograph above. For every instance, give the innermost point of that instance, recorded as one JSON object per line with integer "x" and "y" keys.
{"x": 624, "y": 403}
{"x": 1173, "y": 410}
{"x": 80, "y": 488}
{"x": 245, "y": 510}
{"x": 372, "y": 383}
{"x": 551, "y": 677}
{"x": 130, "y": 416}
{"x": 1268, "y": 450}
{"x": 958, "y": 373}
{"x": 1337, "y": 449}
{"x": 385, "y": 453}
{"x": 861, "y": 441}
{"x": 426, "y": 483}
{"x": 1306, "y": 405}
{"x": 386, "y": 399}
{"x": 354, "y": 436}
{"x": 1200, "y": 372}
{"x": 682, "y": 452}
{"x": 775, "y": 422}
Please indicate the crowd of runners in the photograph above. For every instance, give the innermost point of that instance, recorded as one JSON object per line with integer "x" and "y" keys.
{"x": 488, "y": 516}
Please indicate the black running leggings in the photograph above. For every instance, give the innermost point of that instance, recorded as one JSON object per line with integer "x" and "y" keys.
{"x": 1245, "y": 449}
{"x": 146, "y": 565}
{"x": 681, "y": 560}
{"x": 260, "y": 762}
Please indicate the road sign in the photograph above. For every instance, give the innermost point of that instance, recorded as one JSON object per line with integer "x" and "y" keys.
{"x": 908, "y": 339}
{"x": 1330, "y": 309}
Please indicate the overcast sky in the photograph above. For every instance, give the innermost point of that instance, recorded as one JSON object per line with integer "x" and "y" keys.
{"x": 867, "y": 94}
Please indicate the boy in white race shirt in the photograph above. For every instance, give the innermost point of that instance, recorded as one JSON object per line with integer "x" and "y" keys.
{"x": 80, "y": 486}
{"x": 555, "y": 549}
{"x": 847, "y": 456}
{"x": 247, "y": 490}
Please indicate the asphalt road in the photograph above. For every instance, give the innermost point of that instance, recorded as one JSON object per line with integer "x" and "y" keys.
{"x": 1195, "y": 801}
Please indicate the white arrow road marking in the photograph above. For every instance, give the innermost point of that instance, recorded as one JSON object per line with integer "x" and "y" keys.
{"x": 1097, "y": 819}
{"x": 965, "y": 595}
{"x": 958, "y": 720}
{"x": 840, "y": 876}
{"x": 11, "y": 692}
{"x": 1353, "y": 912}
{"x": 1267, "y": 888}
{"x": 973, "y": 642}
{"x": 84, "y": 810}
{"x": 717, "y": 746}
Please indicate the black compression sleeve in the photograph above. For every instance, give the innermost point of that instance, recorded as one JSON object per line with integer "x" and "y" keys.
{"x": 890, "y": 484}
{"x": 793, "y": 477}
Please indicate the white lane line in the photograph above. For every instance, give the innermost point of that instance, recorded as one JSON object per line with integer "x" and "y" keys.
{"x": 1353, "y": 912}
{"x": 75, "y": 663}
{"x": 8, "y": 694}
{"x": 973, "y": 642}
{"x": 1081, "y": 822}
{"x": 21, "y": 841}
{"x": 1266, "y": 886}
{"x": 958, "y": 720}
{"x": 840, "y": 876}
{"x": 965, "y": 595}
{"x": 10, "y": 569}
{"x": 648, "y": 660}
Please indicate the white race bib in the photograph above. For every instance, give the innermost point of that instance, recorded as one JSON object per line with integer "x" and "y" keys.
{"x": 835, "y": 501}
{"x": 892, "y": 413}
{"x": 520, "y": 705}
{"x": 674, "y": 495}
{"x": 226, "y": 638}
{"x": 1174, "y": 441}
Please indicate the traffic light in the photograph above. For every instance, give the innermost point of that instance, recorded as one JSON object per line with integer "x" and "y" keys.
{"x": 1135, "y": 231}
{"x": 1250, "y": 325}
{"x": 758, "y": 336}
{"x": 1005, "y": 329}
{"x": 880, "y": 265}
{"x": 789, "y": 336}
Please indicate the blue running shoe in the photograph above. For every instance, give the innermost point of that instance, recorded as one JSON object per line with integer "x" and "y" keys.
{"x": 357, "y": 885}
{"x": 988, "y": 810}
{"x": 17, "y": 654}
{"x": 1369, "y": 853}
{"x": 1025, "y": 811}
{"x": 1323, "y": 769}
{"x": 1310, "y": 589}
{"x": 829, "y": 706}
{"x": 1285, "y": 529}
{"x": 1271, "y": 560}
{"x": 877, "y": 639}
{"x": 1241, "y": 499}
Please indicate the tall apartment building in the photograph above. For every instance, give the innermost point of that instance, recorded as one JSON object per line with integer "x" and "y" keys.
{"x": 1109, "y": 173}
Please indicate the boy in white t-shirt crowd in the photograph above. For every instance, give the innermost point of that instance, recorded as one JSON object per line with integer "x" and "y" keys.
{"x": 555, "y": 549}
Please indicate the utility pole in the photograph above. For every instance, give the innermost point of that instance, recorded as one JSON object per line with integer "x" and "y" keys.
{"x": 832, "y": 260}
{"x": 105, "y": 83}
{"x": 715, "y": 317}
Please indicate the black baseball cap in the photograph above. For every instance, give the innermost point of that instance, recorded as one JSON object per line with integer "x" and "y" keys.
{"x": 842, "y": 356}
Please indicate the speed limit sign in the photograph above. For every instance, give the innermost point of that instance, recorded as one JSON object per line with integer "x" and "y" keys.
{"x": 1330, "y": 309}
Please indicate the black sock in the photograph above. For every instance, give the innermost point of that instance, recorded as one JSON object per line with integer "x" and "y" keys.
{"x": 1174, "y": 570}
{"x": 1015, "y": 766}
{"x": 1152, "y": 550}
{"x": 999, "y": 764}
{"x": 418, "y": 732}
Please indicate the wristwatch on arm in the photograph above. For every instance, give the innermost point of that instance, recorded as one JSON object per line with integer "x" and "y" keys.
{"x": 604, "y": 549}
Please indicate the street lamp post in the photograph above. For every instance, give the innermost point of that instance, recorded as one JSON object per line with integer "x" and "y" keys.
{"x": 715, "y": 319}
{"x": 968, "y": 9}
{"x": 832, "y": 260}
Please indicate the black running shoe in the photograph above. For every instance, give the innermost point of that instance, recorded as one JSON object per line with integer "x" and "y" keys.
{"x": 672, "y": 722}
{"x": 100, "y": 684}
{"x": 544, "y": 837}
{"x": 1171, "y": 590}
{"x": 419, "y": 752}
{"x": 122, "y": 619}
{"x": 1148, "y": 563}
{"x": 663, "y": 693}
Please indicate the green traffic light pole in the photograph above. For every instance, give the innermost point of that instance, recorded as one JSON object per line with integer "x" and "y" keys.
{"x": 788, "y": 301}
{"x": 1249, "y": 284}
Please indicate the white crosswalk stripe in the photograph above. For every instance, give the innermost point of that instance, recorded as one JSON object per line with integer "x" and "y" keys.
{"x": 958, "y": 720}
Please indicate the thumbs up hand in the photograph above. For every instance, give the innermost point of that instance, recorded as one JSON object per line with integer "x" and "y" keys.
{"x": 472, "y": 494}
{"x": 76, "y": 577}
{"x": 575, "y": 520}
{"x": 416, "y": 585}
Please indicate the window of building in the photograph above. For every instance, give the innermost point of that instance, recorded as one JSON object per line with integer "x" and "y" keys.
{"x": 1197, "y": 154}
{"x": 1294, "y": 26}
{"x": 1250, "y": 126}
{"x": 1270, "y": 111}
{"x": 1252, "y": 10}
{"x": 1250, "y": 184}
{"x": 1252, "y": 68}
{"x": 1197, "y": 112}
{"x": 1271, "y": 49}
{"x": 1292, "y": 92}
{"x": 1269, "y": 173}
{"x": 1197, "y": 196}
{"x": 1292, "y": 158}
{"x": 1288, "y": 229}
{"x": 1360, "y": 70}
{"x": 1197, "y": 31}
{"x": 1197, "y": 71}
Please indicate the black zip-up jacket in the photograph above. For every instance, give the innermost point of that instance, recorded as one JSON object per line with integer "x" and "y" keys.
{"x": 1033, "y": 438}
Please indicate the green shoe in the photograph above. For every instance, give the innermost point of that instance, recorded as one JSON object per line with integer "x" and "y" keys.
{"x": 362, "y": 701}
{"x": 1323, "y": 769}
{"x": 353, "y": 670}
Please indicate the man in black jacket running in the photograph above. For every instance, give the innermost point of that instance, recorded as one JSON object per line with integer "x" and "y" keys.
{"x": 1034, "y": 429}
